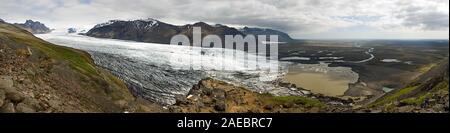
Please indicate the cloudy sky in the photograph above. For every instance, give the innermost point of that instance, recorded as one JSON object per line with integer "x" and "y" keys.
{"x": 307, "y": 19}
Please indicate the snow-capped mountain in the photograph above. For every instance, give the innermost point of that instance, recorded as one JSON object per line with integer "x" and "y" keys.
{"x": 154, "y": 31}
{"x": 34, "y": 27}
{"x": 76, "y": 30}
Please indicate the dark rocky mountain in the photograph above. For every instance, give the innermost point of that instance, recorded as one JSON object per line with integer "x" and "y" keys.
{"x": 34, "y": 27}
{"x": 149, "y": 30}
{"x": 1, "y": 20}
{"x": 71, "y": 30}
{"x": 154, "y": 31}
{"x": 282, "y": 37}
{"x": 220, "y": 30}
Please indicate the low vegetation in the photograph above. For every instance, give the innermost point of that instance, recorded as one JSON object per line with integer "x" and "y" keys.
{"x": 427, "y": 68}
{"x": 389, "y": 98}
{"x": 307, "y": 102}
{"x": 76, "y": 59}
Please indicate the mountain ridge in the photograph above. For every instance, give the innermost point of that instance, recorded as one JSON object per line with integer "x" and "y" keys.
{"x": 155, "y": 31}
{"x": 34, "y": 27}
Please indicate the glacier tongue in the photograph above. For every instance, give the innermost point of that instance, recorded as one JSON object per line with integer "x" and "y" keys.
{"x": 149, "y": 81}
{"x": 151, "y": 72}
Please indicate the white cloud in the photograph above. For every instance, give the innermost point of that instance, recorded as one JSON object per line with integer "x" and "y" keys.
{"x": 297, "y": 17}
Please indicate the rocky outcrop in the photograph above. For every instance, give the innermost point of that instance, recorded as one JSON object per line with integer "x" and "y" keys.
{"x": 34, "y": 27}
{"x": 154, "y": 31}
{"x": 71, "y": 30}
{"x": 12, "y": 101}
{"x": 211, "y": 95}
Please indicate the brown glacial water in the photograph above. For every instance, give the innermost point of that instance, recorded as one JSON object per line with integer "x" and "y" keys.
{"x": 322, "y": 79}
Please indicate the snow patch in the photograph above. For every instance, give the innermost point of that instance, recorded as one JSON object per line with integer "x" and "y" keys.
{"x": 390, "y": 60}
{"x": 295, "y": 58}
{"x": 106, "y": 23}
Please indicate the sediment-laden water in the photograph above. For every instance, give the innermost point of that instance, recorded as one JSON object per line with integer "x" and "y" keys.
{"x": 320, "y": 78}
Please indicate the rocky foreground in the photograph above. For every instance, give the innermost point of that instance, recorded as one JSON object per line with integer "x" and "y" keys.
{"x": 215, "y": 96}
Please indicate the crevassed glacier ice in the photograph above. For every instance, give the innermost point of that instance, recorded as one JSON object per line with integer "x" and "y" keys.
{"x": 159, "y": 72}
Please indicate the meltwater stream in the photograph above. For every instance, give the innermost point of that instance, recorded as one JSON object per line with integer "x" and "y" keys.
{"x": 159, "y": 72}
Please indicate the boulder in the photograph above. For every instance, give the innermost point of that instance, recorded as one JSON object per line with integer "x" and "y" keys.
{"x": 405, "y": 109}
{"x": 376, "y": 111}
{"x": 268, "y": 107}
{"x": 144, "y": 108}
{"x": 33, "y": 103}
{"x": 175, "y": 109}
{"x": 8, "y": 108}
{"x": 121, "y": 103}
{"x": 23, "y": 108}
{"x": 218, "y": 93}
{"x": 2, "y": 97}
{"x": 14, "y": 95}
{"x": 220, "y": 106}
{"x": 181, "y": 99}
{"x": 287, "y": 105}
{"x": 6, "y": 82}
{"x": 55, "y": 104}
{"x": 304, "y": 92}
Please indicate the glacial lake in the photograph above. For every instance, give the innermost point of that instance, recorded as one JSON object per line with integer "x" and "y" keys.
{"x": 319, "y": 78}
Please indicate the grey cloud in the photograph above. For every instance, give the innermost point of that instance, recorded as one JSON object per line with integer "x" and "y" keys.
{"x": 293, "y": 16}
{"x": 429, "y": 21}
{"x": 425, "y": 18}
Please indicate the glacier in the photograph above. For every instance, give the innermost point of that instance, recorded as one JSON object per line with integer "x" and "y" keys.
{"x": 160, "y": 72}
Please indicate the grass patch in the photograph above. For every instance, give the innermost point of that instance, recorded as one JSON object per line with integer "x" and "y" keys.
{"x": 392, "y": 97}
{"x": 77, "y": 59}
{"x": 427, "y": 68}
{"x": 442, "y": 86}
{"x": 417, "y": 100}
{"x": 308, "y": 102}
